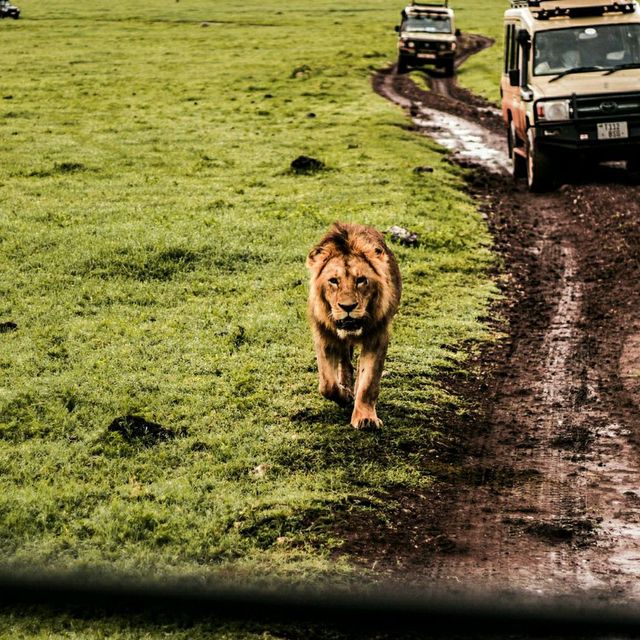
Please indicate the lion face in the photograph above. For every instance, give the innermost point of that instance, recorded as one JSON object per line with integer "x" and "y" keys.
{"x": 349, "y": 288}
{"x": 355, "y": 283}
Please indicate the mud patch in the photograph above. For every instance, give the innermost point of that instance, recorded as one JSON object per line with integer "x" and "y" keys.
{"x": 138, "y": 430}
{"x": 498, "y": 477}
{"x": 304, "y": 165}
{"x": 572, "y": 437}
{"x": 8, "y": 327}
{"x": 578, "y": 532}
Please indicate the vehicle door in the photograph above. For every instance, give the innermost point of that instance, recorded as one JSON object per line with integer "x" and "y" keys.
{"x": 509, "y": 92}
{"x": 512, "y": 105}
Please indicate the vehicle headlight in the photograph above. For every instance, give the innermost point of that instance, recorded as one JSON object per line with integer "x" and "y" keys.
{"x": 553, "y": 110}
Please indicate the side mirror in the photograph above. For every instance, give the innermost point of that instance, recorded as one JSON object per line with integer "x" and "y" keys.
{"x": 458, "y": 33}
{"x": 526, "y": 95}
{"x": 397, "y": 28}
{"x": 514, "y": 77}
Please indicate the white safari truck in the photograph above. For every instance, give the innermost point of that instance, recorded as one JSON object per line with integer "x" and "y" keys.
{"x": 570, "y": 86}
{"x": 427, "y": 36}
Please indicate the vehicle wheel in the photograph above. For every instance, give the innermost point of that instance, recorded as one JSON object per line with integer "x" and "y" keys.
{"x": 518, "y": 163}
{"x": 633, "y": 165}
{"x": 449, "y": 68}
{"x": 539, "y": 166}
{"x": 633, "y": 169}
{"x": 402, "y": 64}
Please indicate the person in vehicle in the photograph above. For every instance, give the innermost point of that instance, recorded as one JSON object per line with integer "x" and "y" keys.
{"x": 555, "y": 53}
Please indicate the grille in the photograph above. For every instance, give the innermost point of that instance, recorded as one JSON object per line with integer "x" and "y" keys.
{"x": 428, "y": 46}
{"x": 425, "y": 46}
{"x": 608, "y": 105}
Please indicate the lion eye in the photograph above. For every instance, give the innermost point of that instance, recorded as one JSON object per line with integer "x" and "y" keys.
{"x": 333, "y": 280}
{"x": 361, "y": 280}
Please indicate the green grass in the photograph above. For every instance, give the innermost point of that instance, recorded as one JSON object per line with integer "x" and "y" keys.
{"x": 481, "y": 73}
{"x": 152, "y": 248}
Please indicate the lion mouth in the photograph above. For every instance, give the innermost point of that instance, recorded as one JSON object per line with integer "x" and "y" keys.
{"x": 349, "y": 324}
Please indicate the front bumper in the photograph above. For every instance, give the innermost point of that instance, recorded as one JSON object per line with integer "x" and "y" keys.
{"x": 591, "y": 116}
{"x": 582, "y": 136}
{"x": 419, "y": 58}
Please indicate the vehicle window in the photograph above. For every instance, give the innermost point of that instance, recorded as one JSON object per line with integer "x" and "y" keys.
{"x": 428, "y": 24}
{"x": 602, "y": 46}
{"x": 511, "y": 49}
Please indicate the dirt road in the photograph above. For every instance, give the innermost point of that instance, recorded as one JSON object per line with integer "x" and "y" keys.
{"x": 549, "y": 498}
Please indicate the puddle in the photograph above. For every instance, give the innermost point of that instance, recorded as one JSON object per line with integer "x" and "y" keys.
{"x": 470, "y": 142}
{"x": 562, "y": 336}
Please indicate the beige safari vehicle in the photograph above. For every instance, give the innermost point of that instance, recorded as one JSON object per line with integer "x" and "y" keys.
{"x": 570, "y": 86}
{"x": 426, "y": 36}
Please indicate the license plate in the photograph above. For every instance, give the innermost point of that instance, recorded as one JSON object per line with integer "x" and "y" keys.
{"x": 427, "y": 56}
{"x": 612, "y": 130}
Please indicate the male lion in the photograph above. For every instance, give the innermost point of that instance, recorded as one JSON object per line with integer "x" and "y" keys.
{"x": 354, "y": 293}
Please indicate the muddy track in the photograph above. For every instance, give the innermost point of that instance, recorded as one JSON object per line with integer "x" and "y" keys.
{"x": 546, "y": 496}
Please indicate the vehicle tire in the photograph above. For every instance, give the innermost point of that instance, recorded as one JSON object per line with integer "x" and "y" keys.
{"x": 449, "y": 68}
{"x": 633, "y": 170}
{"x": 402, "y": 66}
{"x": 518, "y": 163}
{"x": 539, "y": 166}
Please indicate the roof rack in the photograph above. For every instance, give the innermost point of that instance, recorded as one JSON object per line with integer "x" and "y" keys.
{"x": 427, "y": 5}
{"x": 543, "y": 9}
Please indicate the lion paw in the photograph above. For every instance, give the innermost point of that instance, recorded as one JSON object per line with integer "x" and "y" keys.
{"x": 367, "y": 423}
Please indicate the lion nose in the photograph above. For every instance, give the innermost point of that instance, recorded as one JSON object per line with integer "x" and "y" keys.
{"x": 347, "y": 307}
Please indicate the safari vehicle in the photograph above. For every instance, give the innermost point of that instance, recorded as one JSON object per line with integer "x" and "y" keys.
{"x": 570, "y": 86}
{"x": 8, "y": 10}
{"x": 426, "y": 36}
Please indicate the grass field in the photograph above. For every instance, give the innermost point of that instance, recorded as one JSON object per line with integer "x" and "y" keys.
{"x": 152, "y": 247}
{"x": 481, "y": 73}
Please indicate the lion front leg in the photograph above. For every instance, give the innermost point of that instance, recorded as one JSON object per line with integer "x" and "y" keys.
{"x": 335, "y": 372}
{"x": 370, "y": 370}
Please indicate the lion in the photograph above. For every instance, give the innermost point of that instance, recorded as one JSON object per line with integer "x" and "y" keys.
{"x": 354, "y": 293}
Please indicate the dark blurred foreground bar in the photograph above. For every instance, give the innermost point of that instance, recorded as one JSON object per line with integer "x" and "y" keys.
{"x": 370, "y": 609}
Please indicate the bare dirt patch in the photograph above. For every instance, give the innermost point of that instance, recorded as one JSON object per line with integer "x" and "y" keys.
{"x": 545, "y": 492}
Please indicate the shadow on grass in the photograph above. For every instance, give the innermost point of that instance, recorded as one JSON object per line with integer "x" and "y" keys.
{"x": 163, "y": 264}
{"x": 395, "y": 475}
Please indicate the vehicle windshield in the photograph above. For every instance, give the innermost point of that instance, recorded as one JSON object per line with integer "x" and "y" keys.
{"x": 605, "y": 47}
{"x": 432, "y": 23}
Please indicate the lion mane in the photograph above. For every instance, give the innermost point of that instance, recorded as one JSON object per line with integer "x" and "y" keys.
{"x": 354, "y": 293}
